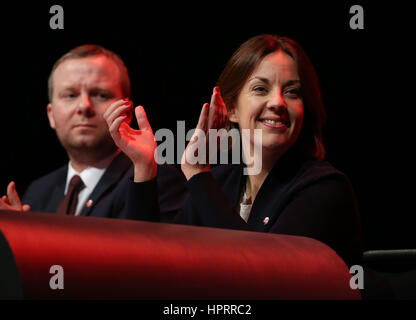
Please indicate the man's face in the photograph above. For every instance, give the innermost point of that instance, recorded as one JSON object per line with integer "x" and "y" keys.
{"x": 83, "y": 88}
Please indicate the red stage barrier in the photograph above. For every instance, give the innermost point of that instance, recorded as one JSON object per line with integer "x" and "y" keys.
{"x": 120, "y": 259}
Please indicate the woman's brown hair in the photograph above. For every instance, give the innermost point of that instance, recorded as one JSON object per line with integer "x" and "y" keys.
{"x": 248, "y": 56}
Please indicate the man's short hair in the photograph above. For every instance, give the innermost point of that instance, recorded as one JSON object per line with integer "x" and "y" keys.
{"x": 90, "y": 50}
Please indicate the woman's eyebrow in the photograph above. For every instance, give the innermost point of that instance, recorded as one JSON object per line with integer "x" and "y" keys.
{"x": 287, "y": 83}
{"x": 260, "y": 78}
{"x": 292, "y": 82}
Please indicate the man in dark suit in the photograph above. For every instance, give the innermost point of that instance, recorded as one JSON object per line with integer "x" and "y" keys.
{"x": 82, "y": 85}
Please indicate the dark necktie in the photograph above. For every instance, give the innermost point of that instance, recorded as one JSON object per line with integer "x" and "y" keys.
{"x": 69, "y": 203}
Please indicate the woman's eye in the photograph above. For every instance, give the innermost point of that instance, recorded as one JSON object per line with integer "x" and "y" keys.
{"x": 293, "y": 92}
{"x": 259, "y": 89}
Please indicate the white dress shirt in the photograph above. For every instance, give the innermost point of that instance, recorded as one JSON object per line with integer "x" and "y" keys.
{"x": 245, "y": 207}
{"x": 90, "y": 177}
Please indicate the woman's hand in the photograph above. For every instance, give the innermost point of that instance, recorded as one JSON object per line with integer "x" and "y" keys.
{"x": 138, "y": 145}
{"x": 213, "y": 116}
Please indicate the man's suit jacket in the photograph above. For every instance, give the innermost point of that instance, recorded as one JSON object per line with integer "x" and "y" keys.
{"x": 109, "y": 195}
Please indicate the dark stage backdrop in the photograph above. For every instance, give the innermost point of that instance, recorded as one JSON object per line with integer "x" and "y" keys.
{"x": 176, "y": 51}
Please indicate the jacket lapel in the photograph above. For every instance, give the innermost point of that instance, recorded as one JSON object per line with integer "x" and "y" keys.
{"x": 233, "y": 185}
{"x": 270, "y": 197}
{"x": 58, "y": 191}
{"x": 112, "y": 175}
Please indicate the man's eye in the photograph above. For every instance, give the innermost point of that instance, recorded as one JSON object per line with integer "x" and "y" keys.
{"x": 70, "y": 95}
{"x": 102, "y": 96}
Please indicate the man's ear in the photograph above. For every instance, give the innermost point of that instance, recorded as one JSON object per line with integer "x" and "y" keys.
{"x": 50, "y": 116}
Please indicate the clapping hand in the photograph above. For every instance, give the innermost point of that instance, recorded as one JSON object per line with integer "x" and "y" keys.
{"x": 213, "y": 116}
{"x": 11, "y": 201}
{"x": 138, "y": 145}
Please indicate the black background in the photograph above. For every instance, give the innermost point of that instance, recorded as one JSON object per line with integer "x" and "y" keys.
{"x": 175, "y": 51}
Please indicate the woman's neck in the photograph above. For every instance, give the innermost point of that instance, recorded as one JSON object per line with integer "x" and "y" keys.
{"x": 255, "y": 181}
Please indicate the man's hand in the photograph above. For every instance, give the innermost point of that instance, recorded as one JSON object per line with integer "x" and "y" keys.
{"x": 12, "y": 200}
{"x": 138, "y": 145}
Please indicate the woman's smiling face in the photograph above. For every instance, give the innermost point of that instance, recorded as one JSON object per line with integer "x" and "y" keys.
{"x": 271, "y": 100}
